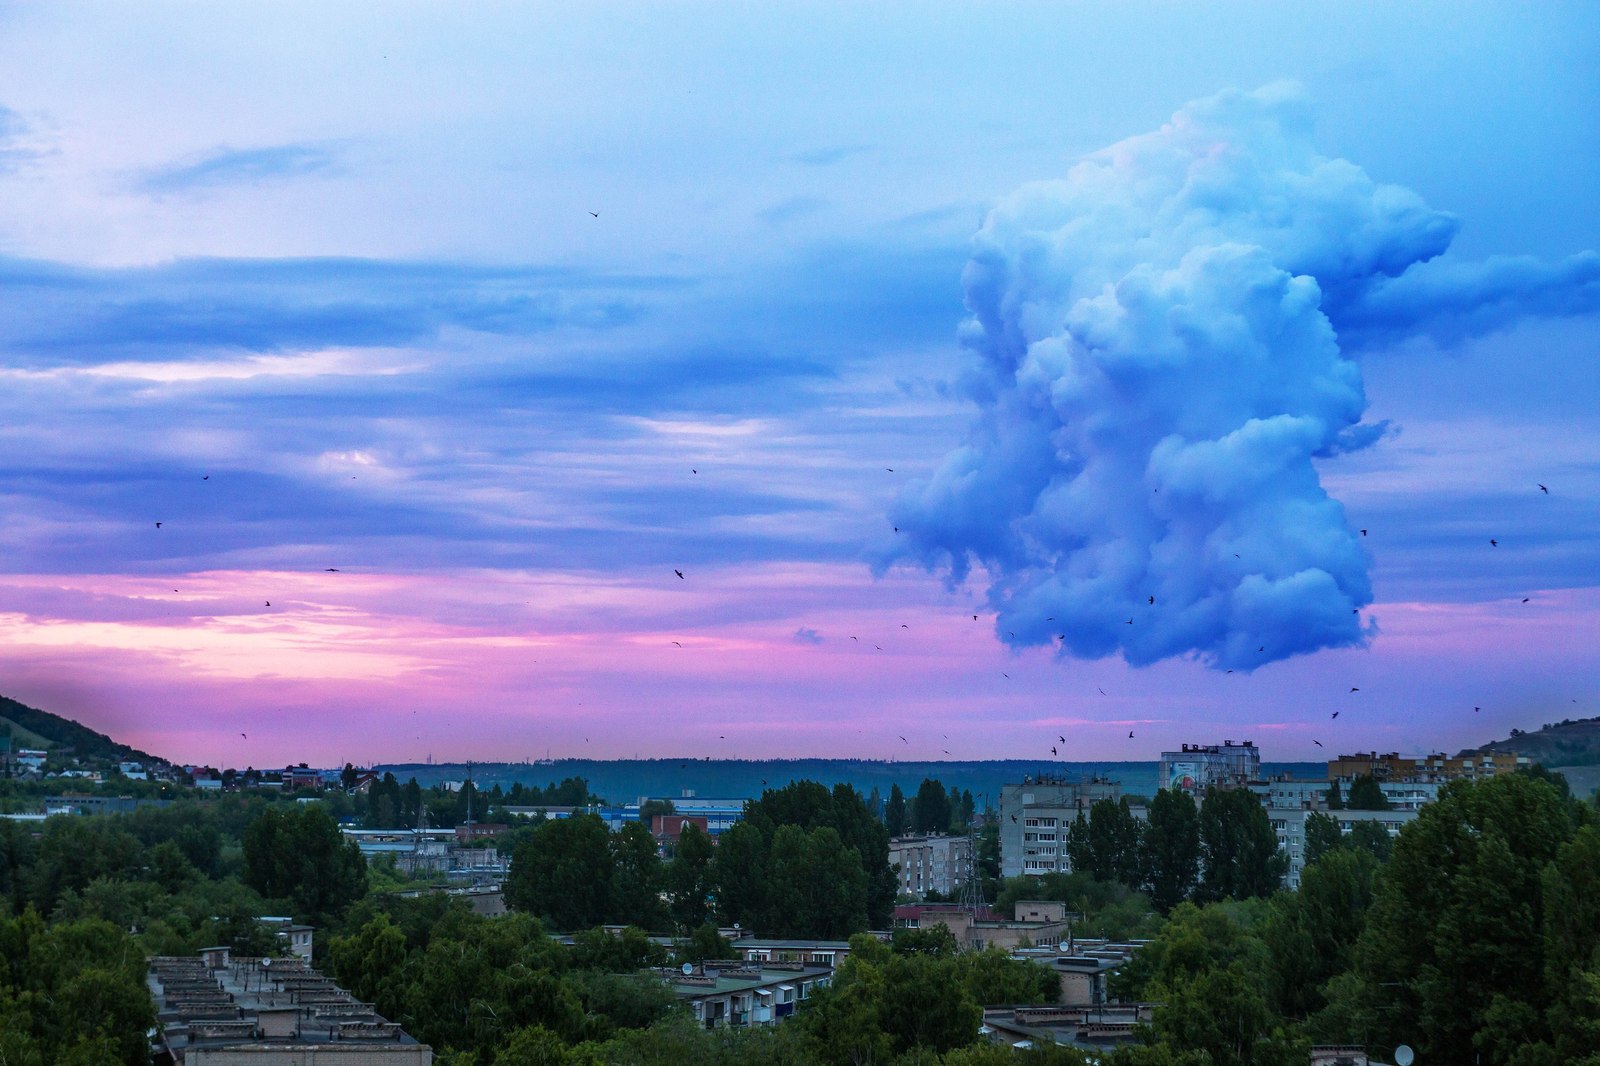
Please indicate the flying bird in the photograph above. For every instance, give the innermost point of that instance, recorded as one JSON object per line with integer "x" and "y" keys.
{"x": 269, "y": 603}
{"x": 1318, "y": 743}
{"x": 1052, "y": 749}
{"x": 158, "y": 525}
{"x": 1493, "y": 543}
{"x": 1363, "y": 532}
{"x": 679, "y": 645}
{"x": 331, "y": 570}
{"x": 1152, "y": 601}
{"x": 904, "y": 626}
{"x": 679, "y": 573}
{"x": 1543, "y": 489}
{"x": 903, "y": 738}
{"x": 1354, "y": 689}
{"x": 1062, "y": 739}
{"x": 245, "y": 736}
{"x": 205, "y": 477}
{"x": 1102, "y": 691}
{"x": 890, "y": 469}
{"x": 1336, "y": 714}
{"x": 1013, "y": 817}
{"x": 1130, "y": 734}
{"x": 1475, "y": 710}
{"x": 1525, "y": 599}
{"x": 596, "y": 214}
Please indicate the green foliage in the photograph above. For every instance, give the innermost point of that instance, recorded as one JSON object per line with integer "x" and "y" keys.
{"x": 810, "y": 806}
{"x": 1311, "y": 934}
{"x": 935, "y": 940}
{"x": 704, "y": 943}
{"x": 1106, "y": 908}
{"x": 563, "y": 873}
{"x": 688, "y": 878}
{"x": 1172, "y": 848}
{"x": 637, "y": 879}
{"x": 896, "y": 818}
{"x": 649, "y": 809}
{"x": 1108, "y": 844}
{"x": 1366, "y": 795}
{"x": 623, "y": 951}
{"x": 930, "y": 808}
{"x": 296, "y": 853}
{"x": 1322, "y": 835}
{"x": 1456, "y": 933}
{"x": 1238, "y": 850}
{"x": 72, "y": 992}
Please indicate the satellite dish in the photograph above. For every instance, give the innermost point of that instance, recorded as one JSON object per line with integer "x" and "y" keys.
{"x": 1404, "y": 1056}
{"x": 265, "y": 963}
{"x": 688, "y": 968}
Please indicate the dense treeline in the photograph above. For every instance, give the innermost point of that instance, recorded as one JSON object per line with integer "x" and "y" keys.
{"x": 804, "y": 861}
{"x": 1474, "y": 936}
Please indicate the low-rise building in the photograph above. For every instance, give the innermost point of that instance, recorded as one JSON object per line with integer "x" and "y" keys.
{"x": 979, "y": 928}
{"x": 759, "y": 950}
{"x": 1084, "y": 1027}
{"x": 734, "y": 994}
{"x": 214, "y": 1010}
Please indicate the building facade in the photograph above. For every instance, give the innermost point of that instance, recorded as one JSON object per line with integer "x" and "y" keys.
{"x": 1197, "y": 767}
{"x": 932, "y": 863}
{"x": 1034, "y": 817}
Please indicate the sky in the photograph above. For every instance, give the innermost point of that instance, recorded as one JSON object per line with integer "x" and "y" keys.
{"x": 381, "y": 383}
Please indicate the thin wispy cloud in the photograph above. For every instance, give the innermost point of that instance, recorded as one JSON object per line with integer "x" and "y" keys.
{"x": 827, "y": 157}
{"x": 244, "y": 166}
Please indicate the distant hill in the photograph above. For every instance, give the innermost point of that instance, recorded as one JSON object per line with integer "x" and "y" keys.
{"x": 625, "y": 780}
{"x": 1573, "y": 742}
{"x": 32, "y": 728}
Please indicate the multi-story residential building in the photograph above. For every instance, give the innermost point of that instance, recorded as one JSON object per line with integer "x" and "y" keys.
{"x": 1197, "y": 767}
{"x": 1436, "y": 768}
{"x": 1034, "y": 817}
{"x": 1290, "y": 827}
{"x": 932, "y": 863}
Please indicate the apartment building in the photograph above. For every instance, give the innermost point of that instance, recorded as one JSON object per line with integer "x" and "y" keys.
{"x": 1034, "y": 817}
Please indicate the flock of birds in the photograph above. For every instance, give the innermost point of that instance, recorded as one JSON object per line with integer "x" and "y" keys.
{"x": 1494, "y": 542}
{"x": 1055, "y": 751}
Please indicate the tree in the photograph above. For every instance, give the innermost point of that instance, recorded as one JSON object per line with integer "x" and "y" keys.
{"x": 1335, "y": 798}
{"x": 1238, "y": 849}
{"x": 564, "y": 873}
{"x": 1372, "y": 837}
{"x": 636, "y": 879}
{"x": 1172, "y": 848}
{"x": 296, "y": 852}
{"x": 895, "y": 817}
{"x": 1468, "y": 871}
{"x": 1367, "y": 795}
{"x": 652, "y": 807}
{"x": 738, "y": 874}
{"x": 930, "y": 809}
{"x": 1312, "y": 933}
{"x": 1322, "y": 835}
{"x": 689, "y": 878}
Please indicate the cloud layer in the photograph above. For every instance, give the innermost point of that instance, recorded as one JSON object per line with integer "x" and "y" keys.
{"x": 1158, "y": 369}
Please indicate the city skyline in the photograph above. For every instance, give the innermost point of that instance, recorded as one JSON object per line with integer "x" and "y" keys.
{"x": 596, "y": 382}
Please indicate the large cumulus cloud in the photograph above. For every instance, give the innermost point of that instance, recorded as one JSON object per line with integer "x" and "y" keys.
{"x": 1158, "y": 363}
